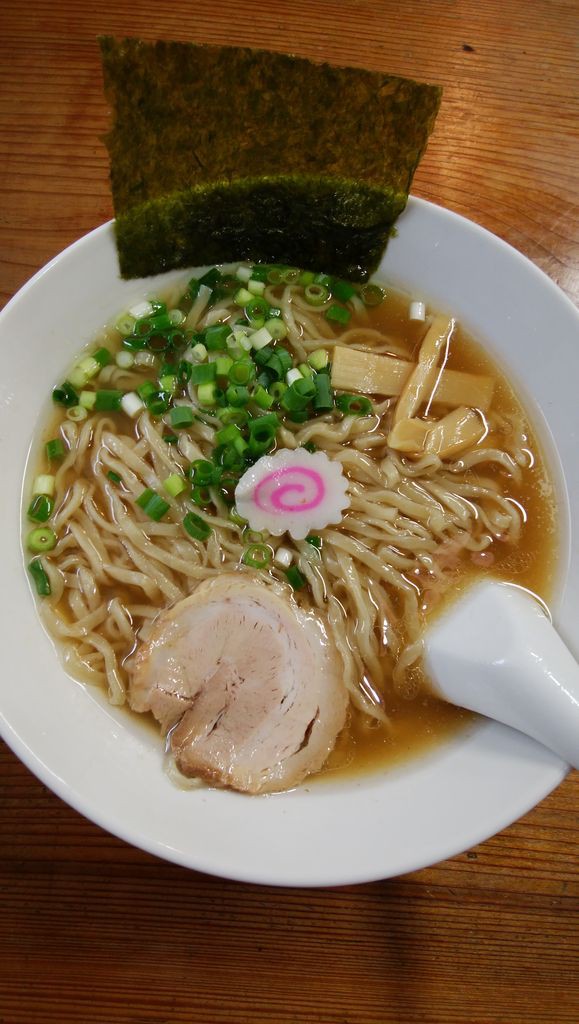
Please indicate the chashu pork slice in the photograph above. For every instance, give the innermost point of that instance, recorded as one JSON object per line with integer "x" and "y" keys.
{"x": 246, "y": 684}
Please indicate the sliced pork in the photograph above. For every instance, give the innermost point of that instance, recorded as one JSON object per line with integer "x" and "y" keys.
{"x": 245, "y": 683}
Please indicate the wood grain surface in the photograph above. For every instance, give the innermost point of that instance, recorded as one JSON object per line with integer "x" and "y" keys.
{"x": 92, "y": 930}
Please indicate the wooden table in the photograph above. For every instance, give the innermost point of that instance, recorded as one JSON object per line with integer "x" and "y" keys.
{"x": 92, "y": 930}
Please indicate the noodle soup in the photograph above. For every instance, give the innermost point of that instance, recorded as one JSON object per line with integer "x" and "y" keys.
{"x": 139, "y": 500}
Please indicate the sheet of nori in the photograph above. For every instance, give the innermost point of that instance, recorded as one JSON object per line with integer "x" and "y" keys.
{"x": 225, "y": 153}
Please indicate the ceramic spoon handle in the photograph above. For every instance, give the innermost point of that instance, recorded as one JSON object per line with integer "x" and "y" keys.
{"x": 496, "y": 652}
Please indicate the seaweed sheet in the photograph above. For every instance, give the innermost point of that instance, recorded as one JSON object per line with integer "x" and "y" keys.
{"x": 225, "y": 153}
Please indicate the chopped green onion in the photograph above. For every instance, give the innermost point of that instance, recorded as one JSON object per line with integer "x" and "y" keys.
{"x": 305, "y": 370}
{"x": 292, "y": 376}
{"x": 305, "y": 387}
{"x": 275, "y": 366}
{"x": 316, "y": 294}
{"x": 277, "y": 389}
{"x": 233, "y": 414}
{"x": 124, "y": 360}
{"x": 223, "y": 365}
{"x": 41, "y": 539}
{"x": 193, "y": 288}
{"x": 259, "y": 273}
{"x": 146, "y": 389}
{"x": 184, "y": 371}
{"x": 215, "y": 337}
{"x": 210, "y": 278}
{"x": 199, "y": 353}
{"x": 306, "y": 277}
{"x": 323, "y": 399}
{"x": 242, "y": 372}
{"x": 169, "y": 382}
{"x": 40, "y": 508}
{"x": 176, "y": 316}
{"x": 262, "y": 398}
{"x": 181, "y": 416}
{"x": 170, "y": 439}
{"x": 354, "y": 405}
{"x": 295, "y": 578}
{"x": 343, "y": 290}
{"x": 237, "y": 395}
{"x": 259, "y": 339}
{"x": 196, "y": 527}
{"x": 175, "y": 485}
{"x": 372, "y": 294}
{"x": 44, "y": 484}
{"x": 284, "y": 357}
{"x": 318, "y": 359}
{"x": 152, "y": 504}
{"x": 108, "y": 401}
{"x": 291, "y": 275}
{"x": 204, "y": 473}
{"x": 125, "y": 324}
{"x": 103, "y": 357}
{"x": 310, "y": 447}
{"x": 114, "y": 477}
{"x": 242, "y": 297}
{"x": 256, "y": 287}
{"x": 276, "y": 327}
{"x": 314, "y": 540}
{"x": 292, "y": 401}
{"x": 158, "y": 403}
{"x": 201, "y": 496}
{"x": 261, "y": 357}
{"x": 275, "y": 275}
{"x": 228, "y": 434}
{"x": 208, "y": 394}
{"x": 258, "y": 556}
{"x": 65, "y": 395}
{"x": 268, "y": 423}
{"x": 338, "y": 314}
{"x": 41, "y": 581}
{"x": 55, "y": 449}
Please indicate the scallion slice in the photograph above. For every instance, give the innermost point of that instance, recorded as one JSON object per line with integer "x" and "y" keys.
{"x": 316, "y": 294}
{"x": 196, "y": 527}
{"x": 338, "y": 314}
{"x": 108, "y": 401}
{"x": 258, "y": 556}
{"x": 114, "y": 477}
{"x": 152, "y": 504}
{"x": 175, "y": 485}
{"x": 295, "y": 578}
{"x": 41, "y": 539}
{"x": 354, "y": 405}
{"x": 55, "y": 449}
{"x": 181, "y": 416}
{"x": 323, "y": 399}
{"x": 40, "y": 577}
{"x": 65, "y": 395}
{"x": 372, "y": 294}
{"x": 41, "y": 508}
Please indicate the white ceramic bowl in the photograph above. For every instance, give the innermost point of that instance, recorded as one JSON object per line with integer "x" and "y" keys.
{"x": 101, "y": 762}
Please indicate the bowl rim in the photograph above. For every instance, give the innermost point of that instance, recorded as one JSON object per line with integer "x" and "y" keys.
{"x": 551, "y": 772}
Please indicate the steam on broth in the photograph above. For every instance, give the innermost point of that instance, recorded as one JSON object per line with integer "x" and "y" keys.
{"x": 136, "y": 511}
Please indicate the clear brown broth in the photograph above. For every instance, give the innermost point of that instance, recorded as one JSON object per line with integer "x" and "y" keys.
{"x": 421, "y": 724}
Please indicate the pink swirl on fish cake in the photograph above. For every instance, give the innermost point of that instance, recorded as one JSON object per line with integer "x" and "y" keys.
{"x": 272, "y": 492}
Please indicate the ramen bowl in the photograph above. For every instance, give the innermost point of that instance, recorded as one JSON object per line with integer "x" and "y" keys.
{"x": 104, "y": 763}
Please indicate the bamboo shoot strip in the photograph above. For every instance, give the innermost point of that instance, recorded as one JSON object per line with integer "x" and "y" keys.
{"x": 370, "y": 374}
